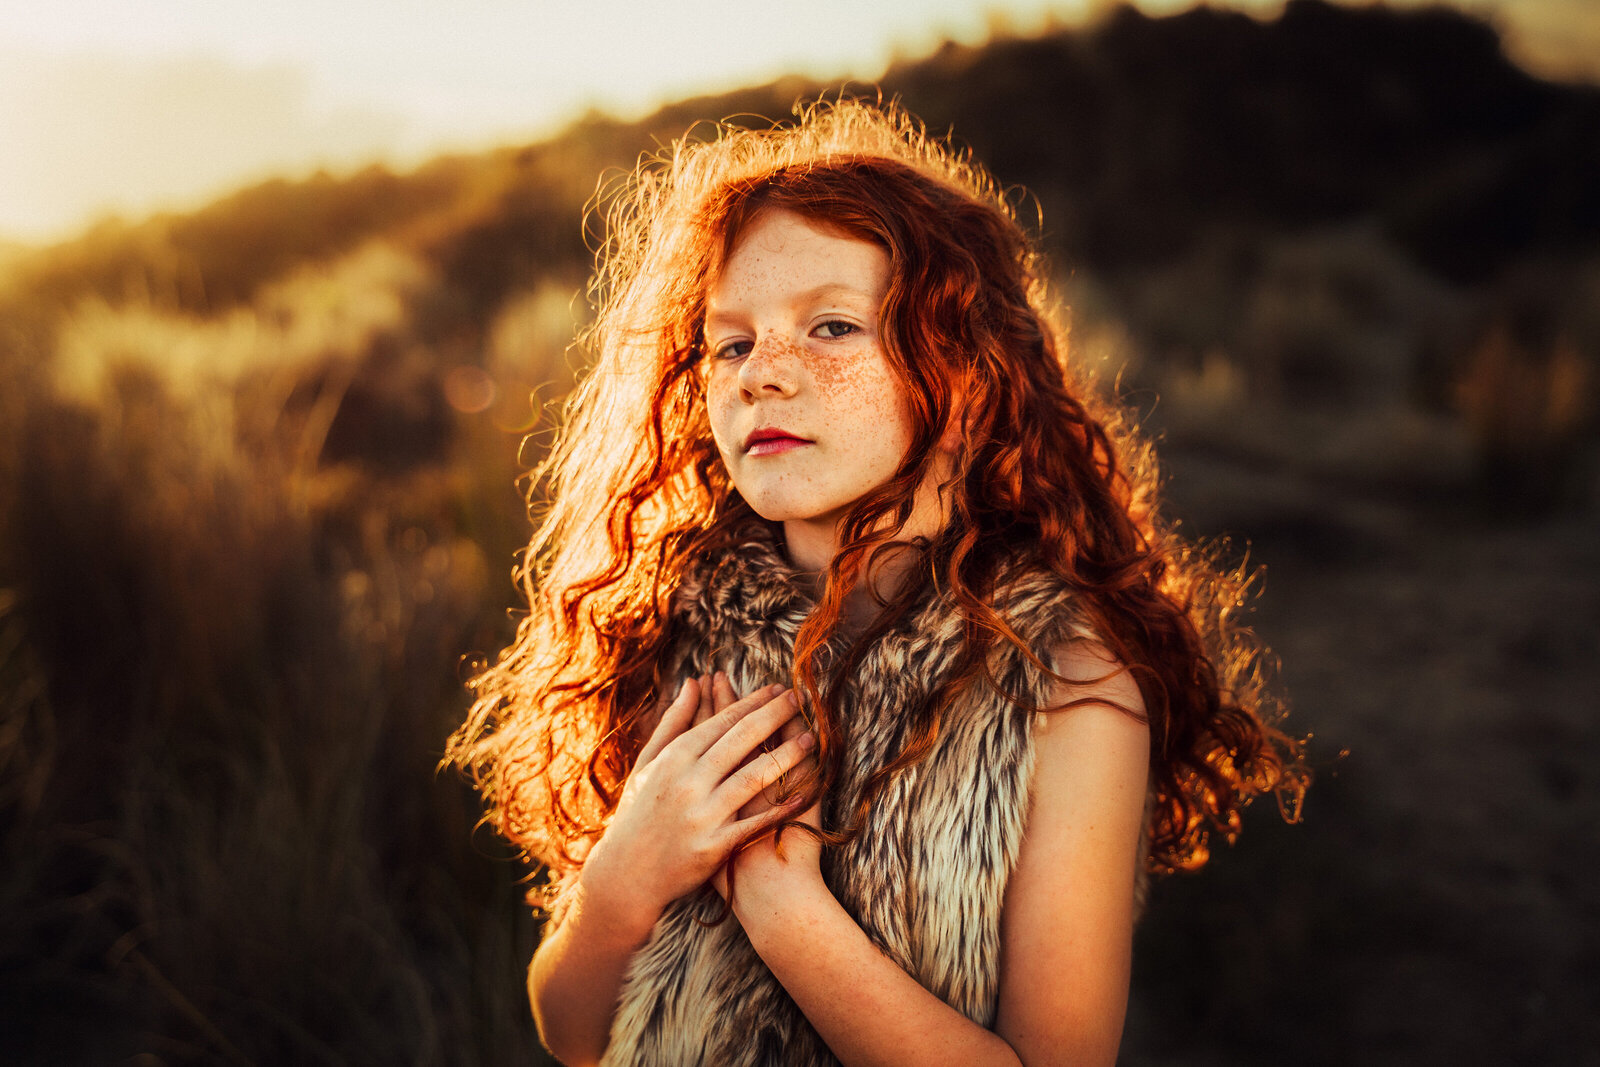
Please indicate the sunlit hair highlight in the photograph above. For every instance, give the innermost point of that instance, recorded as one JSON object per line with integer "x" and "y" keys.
{"x": 1048, "y": 475}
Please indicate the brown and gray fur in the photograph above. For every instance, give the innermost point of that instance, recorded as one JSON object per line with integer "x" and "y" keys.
{"x": 926, "y": 877}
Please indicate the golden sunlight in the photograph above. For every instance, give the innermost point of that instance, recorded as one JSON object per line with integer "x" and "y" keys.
{"x": 128, "y": 109}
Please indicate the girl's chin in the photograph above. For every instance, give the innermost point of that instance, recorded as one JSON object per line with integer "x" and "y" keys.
{"x": 783, "y": 512}
{"x": 795, "y": 512}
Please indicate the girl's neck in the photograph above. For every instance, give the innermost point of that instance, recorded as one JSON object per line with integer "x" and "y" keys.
{"x": 810, "y": 546}
{"x": 813, "y": 542}
{"x": 863, "y": 603}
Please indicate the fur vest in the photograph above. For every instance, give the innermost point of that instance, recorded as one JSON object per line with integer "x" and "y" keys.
{"x": 926, "y": 877}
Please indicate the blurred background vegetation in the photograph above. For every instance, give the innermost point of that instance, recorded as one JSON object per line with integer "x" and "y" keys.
{"x": 259, "y": 503}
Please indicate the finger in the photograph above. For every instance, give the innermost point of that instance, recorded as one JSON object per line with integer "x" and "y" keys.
{"x": 674, "y": 721}
{"x": 785, "y": 786}
{"x": 742, "y": 737}
{"x": 708, "y": 706}
{"x": 746, "y": 783}
{"x": 793, "y": 728}
{"x": 799, "y": 781}
{"x": 722, "y": 693}
{"x": 708, "y": 731}
{"x": 758, "y": 824}
{"x": 793, "y": 791}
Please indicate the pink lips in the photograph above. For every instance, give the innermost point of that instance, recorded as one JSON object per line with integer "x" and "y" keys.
{"x": 770, "y": 442}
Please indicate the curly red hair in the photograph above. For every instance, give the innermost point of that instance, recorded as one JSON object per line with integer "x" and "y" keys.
{"x": 1048, "y": 475}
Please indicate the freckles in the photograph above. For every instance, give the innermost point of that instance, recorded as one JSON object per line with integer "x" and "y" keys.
{"x": 779, "y": 344}
{"x": 860, "y": 391}
{"x": 834, "y": 373}
{"x": 716, "y": 402}
{"x": 849, "y": 377}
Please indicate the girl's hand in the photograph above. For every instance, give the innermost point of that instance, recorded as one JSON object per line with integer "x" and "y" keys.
{"x": 683, "y": 808}
{"x": 766, "y": 866}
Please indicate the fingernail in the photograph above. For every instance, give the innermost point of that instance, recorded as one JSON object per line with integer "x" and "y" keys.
{"x": 794, "y": 698}
{"x": 806, "y": 740}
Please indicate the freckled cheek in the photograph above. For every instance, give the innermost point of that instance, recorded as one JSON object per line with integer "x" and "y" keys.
{"x": 836, "y": 373}
{"x": 720, "y": 410}
{"x": 866, "y": 402}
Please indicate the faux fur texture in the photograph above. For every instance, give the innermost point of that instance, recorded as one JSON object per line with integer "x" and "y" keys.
{"x": 927, "y": 876}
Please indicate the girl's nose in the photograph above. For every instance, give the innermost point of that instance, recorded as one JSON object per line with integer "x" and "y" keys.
{"x": 772, "y": 368}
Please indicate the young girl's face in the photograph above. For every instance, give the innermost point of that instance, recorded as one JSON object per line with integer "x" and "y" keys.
{"x": 806, "y": 411}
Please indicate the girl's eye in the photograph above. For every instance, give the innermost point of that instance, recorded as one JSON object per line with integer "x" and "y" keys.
{"x": 834, "y": 329}
{"x": 732, "y": 350}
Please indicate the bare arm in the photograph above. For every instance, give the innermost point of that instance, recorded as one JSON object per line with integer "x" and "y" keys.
{"x": 1066, "y": 927}
{"x": 576, "y": 975}
{"x": 866, "y": 1008}
{"x": 675, "y": 825}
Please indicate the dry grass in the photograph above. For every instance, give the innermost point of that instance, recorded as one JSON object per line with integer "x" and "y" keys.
{"x": 229, "y": 663}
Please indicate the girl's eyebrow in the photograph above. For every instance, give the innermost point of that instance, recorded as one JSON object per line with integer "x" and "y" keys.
{"x": 832, "y": 289}
{"x": 819, "y": 292}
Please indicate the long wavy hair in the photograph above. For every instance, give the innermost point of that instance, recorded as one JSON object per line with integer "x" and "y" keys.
{"x": 1048, "y": 473}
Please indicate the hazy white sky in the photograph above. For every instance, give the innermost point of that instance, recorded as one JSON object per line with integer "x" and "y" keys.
{"x": 136, "y": 105}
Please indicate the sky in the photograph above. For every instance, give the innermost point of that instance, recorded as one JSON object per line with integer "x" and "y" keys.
{"x": 133, "y": 106}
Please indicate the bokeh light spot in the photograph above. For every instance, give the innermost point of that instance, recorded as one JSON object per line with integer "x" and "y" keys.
{"x": 469, "y": 390}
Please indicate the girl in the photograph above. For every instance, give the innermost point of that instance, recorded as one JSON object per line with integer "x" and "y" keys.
{"x": 862, "y": 681}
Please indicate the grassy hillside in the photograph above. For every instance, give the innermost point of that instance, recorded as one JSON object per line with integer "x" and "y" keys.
{"x": 258, "y": 508}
